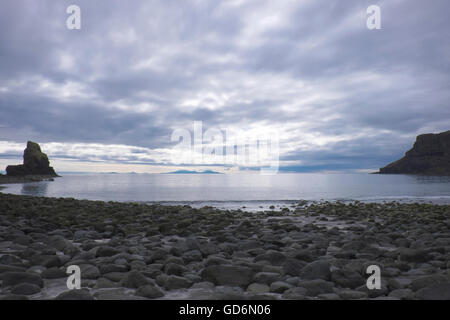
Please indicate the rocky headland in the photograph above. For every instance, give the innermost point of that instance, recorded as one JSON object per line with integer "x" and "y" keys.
{"x": 35, "y": 167}
{"x": 138, "y": 251}
{"x": 430, "y": 155}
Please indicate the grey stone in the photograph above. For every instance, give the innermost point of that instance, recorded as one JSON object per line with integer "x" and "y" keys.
{"x": 274, "y": 257}
{"x": 374, "y": 293}
{"x": 107, "y": 268}
{"x": 192, "y": 255}
{"x": 102, "y": 283}
{"x": 114, "y": 294}
{"x": 329, "y": 296}
{"x": 279, "y": 286}
{"x": 266, "y": 277}
{"x": 427, "y": 281}
{"x": 296, "y": 293}
{"x": 115, "y": 276}
{"x": 316, "y": 270}
{"x": 304, "y": 255}
{"x": 175, "y": 269}
{"x": 149, "y": 291}
{"x": 347, "y": 278}
{"x": 76, "y": 294}
{"x": 9, "y": 259}
{"x": 14, "y": 278}
{"x": 404, "y": 294}
{"x": 106, "y": 251}
{"x": 437, "y": 291}
{"x": 176, "y": 282}
{"x": 135, "y": 279}
{"x": 89, "y": 271}
{"x": 258, "y": 288}
{"x": 7, "y": 268}
{"x": 25, "y": 289}
{"x": 228, "y": 275}
{"x": 316, "y": 287}
{"x": 14, "y": 297}
{"x": 413, "y": 255}
{"x": 293, "y": 267}
{"x": 53, "y": 273}
{"x": 352, "y": 295}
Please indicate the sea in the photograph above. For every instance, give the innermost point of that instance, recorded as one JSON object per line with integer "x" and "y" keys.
{"x": 250, "y": 192}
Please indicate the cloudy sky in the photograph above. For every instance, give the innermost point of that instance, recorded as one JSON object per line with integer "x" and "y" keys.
{"x": 109, "y": 96}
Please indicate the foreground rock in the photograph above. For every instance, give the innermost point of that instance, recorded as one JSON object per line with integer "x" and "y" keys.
{"x": 429, "y": 155}
{"x": 137, "y": 251}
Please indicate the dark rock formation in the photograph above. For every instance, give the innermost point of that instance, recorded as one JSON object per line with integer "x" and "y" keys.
{"x": 34, "y": 163}
{"x": 429, "y": 155}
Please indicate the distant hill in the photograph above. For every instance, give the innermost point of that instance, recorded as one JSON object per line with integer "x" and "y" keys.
{"x": 193, "y": 172}
{"x": 430, "y": 155}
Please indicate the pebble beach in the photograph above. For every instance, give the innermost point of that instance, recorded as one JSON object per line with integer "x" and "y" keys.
{"x": 312, "y": 251}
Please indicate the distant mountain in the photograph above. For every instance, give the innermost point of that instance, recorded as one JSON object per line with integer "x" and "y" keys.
{"x": 430, "y": 155}
{"x": 194, "y": 172}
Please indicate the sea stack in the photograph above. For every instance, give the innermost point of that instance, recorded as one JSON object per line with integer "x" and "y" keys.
{"x": 35, "y": 162}
{"x": 430, "y": 155}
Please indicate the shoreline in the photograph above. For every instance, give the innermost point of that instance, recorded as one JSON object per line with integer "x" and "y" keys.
{"x": 142, "y": 251}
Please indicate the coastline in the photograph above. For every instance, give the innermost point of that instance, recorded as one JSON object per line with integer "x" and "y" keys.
{"x": 139, "y": 251}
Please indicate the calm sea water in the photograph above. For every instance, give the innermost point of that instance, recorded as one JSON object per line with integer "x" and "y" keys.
{"x": 253, "y": 191}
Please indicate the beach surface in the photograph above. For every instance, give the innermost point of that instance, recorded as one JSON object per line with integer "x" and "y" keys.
{"x": 141, "y": 251}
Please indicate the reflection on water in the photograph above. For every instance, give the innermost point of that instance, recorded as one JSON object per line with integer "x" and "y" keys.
{"x": 35, "y": 189}
{"x": 431, "y": 179}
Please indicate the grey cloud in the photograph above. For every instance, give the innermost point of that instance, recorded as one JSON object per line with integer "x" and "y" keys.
{"x": 193, "y": 47}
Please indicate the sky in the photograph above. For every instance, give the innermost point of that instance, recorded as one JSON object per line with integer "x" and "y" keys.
{"x": 109, "y": 96}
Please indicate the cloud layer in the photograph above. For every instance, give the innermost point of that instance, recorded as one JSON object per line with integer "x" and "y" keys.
{"x": 339, "y": 95}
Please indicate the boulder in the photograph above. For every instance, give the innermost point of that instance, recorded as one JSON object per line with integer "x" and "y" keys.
{"x": 316, "y": 270}
{"x": 279, "y": 286}
{"x": 149, "y": 291}
{"x": 25, "y": 289}
{"x": 347, "y": 278}
{"x": 258, "y": 288}
{"x": 76, "y": 294}
{"x": 437, "y": 291}
{"x": 228, "y": 275}
{"x": 176, "y": 282}
{"x": 274, "y": 257}
{"x": 293, "y": 266}
{"x": 89, "y": 271}
{"x": 266, "y": 277}
{"x": 14, "y": 278}
{"x": 413, "y": 255}
{"x": 135, "y": 279}
{"x": 316, "y": 287}
{"x": 53, "y": 273}
{"x": 426, "y": 281}
{"x": 106, "y": 251}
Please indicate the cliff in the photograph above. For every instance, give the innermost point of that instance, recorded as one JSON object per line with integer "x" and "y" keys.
{"x": 430, "y": 155}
